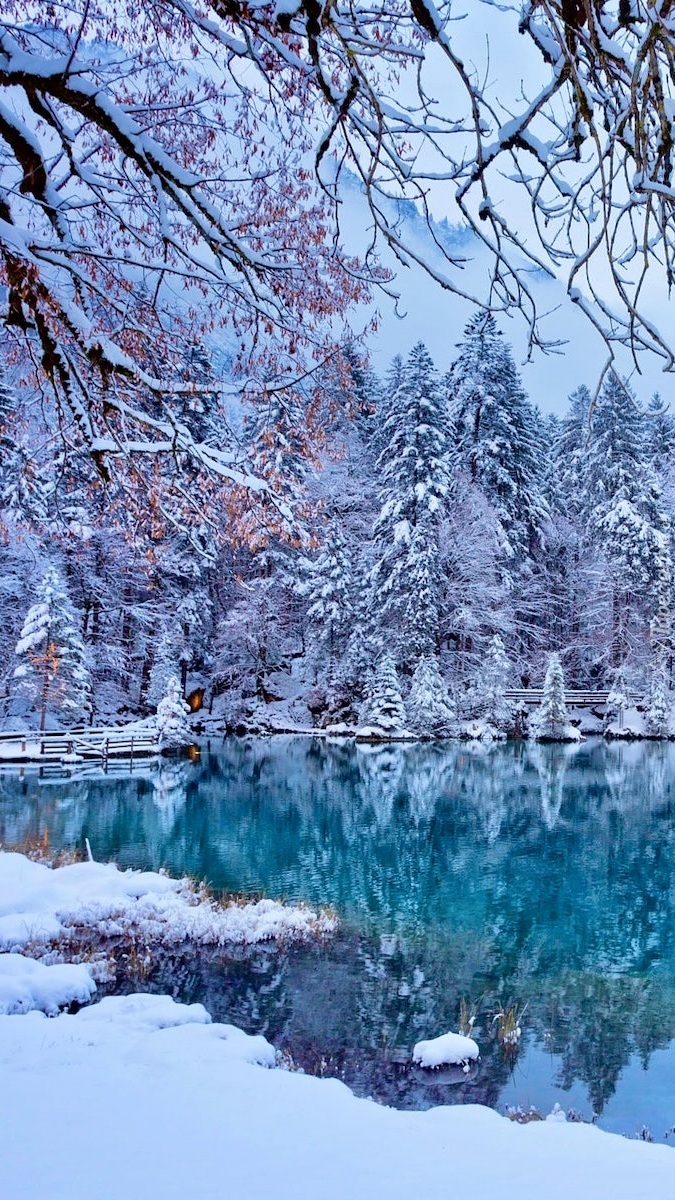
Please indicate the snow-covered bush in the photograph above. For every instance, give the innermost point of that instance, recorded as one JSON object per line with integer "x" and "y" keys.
{"x": 172, "y": 726}
{"x": 431, "y": 712}
{"x": 551, "y": 722}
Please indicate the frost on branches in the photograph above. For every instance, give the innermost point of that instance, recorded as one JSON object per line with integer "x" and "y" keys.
{"x": 174, "y": 172}
{"x": 172, "y": 726}
{"x": 52, "y": 676}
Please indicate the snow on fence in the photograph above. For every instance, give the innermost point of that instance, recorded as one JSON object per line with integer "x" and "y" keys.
{"x": 573, "y": 699}
{"x": 78, "y": 746}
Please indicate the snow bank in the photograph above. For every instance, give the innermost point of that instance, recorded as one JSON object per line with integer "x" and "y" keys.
{"x": 138, "y": 1096}
{"x": 27, "y": 985}
{"x": 451, "y": 1049}
{"x": 39, "y": 904}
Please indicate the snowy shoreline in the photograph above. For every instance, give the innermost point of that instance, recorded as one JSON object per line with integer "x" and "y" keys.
{"x": 140, "y": 1096}
{"x": 75, "y": 911}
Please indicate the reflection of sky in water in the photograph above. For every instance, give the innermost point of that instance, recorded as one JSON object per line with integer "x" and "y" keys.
{"x": 542, "y": 875}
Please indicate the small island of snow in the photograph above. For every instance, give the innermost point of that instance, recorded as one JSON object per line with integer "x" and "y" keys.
{"x": 451, "y": 1049}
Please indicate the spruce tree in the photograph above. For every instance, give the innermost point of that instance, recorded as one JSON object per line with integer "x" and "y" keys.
{"x": 173, "y": 729}
{"x": 623, "y": 508}
{"x": 551, "y": 721}
{"x": 495, "y": 433}
{"x": 660, "y": 705}
{"x": 405, "y": 580}
{"x": 330, "y": 586}
{"x": 431, "y": 712}
{"x": 53, "y": 674}
{"x": 384, "y": 710}
{"x": 618, "y": 700}
{"x": 491, "y": 704}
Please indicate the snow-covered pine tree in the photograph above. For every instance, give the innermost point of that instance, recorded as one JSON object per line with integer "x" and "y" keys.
{"x": 550, "y": 722}
{"x": 173, "y": 730}
{"x": 414, "y": 481}
{"x": 164, "y": 667}
{"x": 496, "y": 439}
{"x": 618, "y": 700}
{"x": 330, "y": 609}
{"x": 431, "y": 712}
{"x": 623, "y": 509}
{"x": 494, "y": 711}
{"x": 567, "y": 469}
{"x": 23, "y": 482}
{"x": 53, "y": 675}
{"x": 659, "y": 713}
{"x": 659, "y": 437}
{"x": 383, "y": 714}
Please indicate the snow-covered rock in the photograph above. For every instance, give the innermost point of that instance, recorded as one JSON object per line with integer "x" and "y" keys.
{"x": 450, "y": 1049}
{"x": 26, "y": 985}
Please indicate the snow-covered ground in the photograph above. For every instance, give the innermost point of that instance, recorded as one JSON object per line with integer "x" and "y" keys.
{"x": 143, "y": 1098}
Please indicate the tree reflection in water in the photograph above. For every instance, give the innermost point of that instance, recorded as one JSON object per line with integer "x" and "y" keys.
{"x": 539, "y": 874}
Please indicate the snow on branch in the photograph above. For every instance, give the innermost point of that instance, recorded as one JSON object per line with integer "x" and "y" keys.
{"x": 175, "y": 173}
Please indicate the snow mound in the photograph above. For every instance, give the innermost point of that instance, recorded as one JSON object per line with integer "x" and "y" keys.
{"x": 26, "y": 985}
{"x": 377, "y": 733}
{"x": 39, "y": 904}
{"x": 451, "y": 1049}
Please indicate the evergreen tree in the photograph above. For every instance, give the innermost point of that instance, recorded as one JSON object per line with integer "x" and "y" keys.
{"x": 496, "y": 439}
{"x": 567, "y": 471}
{"x": 164, "y": 667}
{"x": 551, "y": 721}
{"x": 660, "y": 705}
{"x": 173, "y": 729}
{"x": 24, "y": 484}
{"x": 491, "y": 704}
{"x": 623, "y": 507}
{"x": 414, "y": 485}
{"x": 431, "y": 712}
{"x": 384, "y": 709}
{"x": 659, "y": 436}
{"x": 330, "y": 609}
{"x": 53, "y": 674}
{"x": 618, "y": 700}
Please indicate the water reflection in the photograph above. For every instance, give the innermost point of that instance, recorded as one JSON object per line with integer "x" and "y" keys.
{"x": 539, "y": 874}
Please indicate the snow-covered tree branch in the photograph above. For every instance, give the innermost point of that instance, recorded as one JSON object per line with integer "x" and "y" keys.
{"x": 176, "y": 172}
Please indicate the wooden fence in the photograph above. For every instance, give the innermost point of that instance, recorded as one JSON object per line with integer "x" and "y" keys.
{"x": 78, "y": 745}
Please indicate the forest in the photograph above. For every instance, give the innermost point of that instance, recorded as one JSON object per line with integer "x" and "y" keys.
{"x": 447, "y": 538}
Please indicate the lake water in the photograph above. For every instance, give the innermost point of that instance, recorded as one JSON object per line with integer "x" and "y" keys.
{"x": 537, "y": 876}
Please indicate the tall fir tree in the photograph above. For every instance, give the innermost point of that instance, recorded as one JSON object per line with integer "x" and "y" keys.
{"x": 414, "y": 483}
{"x": 623, "y": 509}
{"x": 496, "y": 440}
{"x": 53, "y": 674}
{"x": 330, "y": 589}
{"x": 384, "y": 710}
{"x": 551, "y": 721}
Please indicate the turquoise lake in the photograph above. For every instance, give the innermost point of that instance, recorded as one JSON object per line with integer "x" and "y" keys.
{"x": 540, "y": 876}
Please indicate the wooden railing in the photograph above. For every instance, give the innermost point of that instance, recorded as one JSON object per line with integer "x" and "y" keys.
{"x": 98, "y": 744}
{"x": 573, "y": 698}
